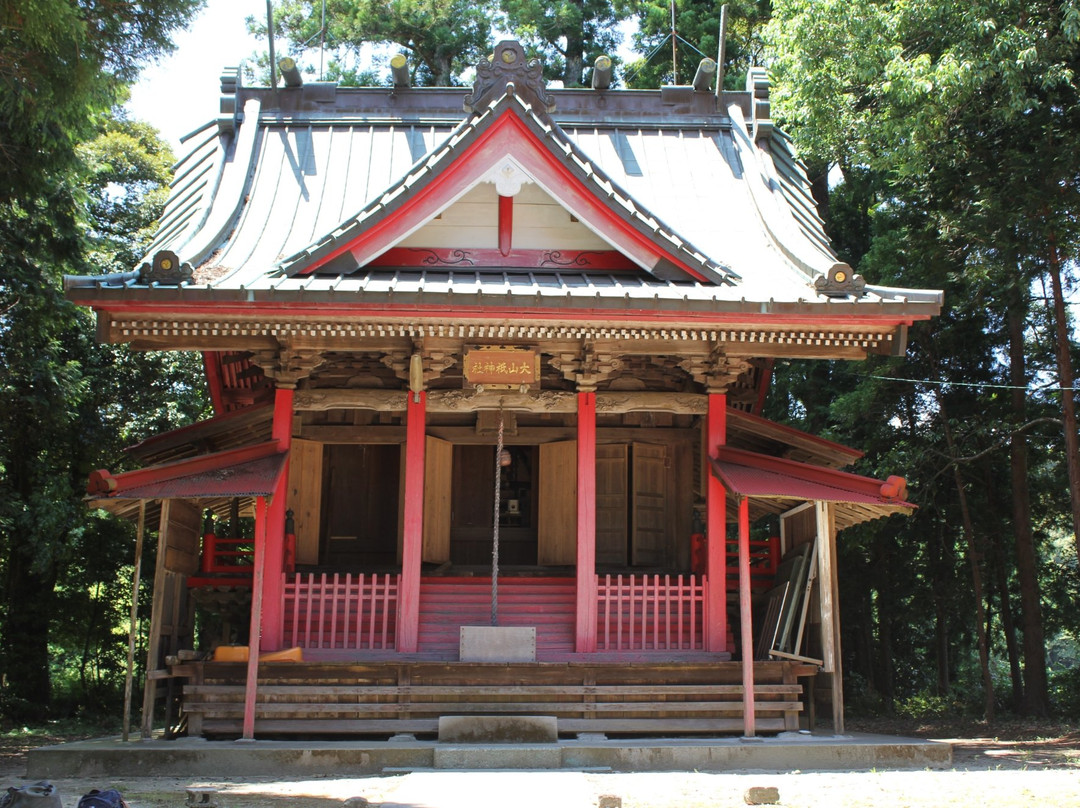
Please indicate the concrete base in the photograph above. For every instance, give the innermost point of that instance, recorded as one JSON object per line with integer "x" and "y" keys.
{"x": 497, "y": 757}
{"x": 198, "y": 758}
{"x": 497, "y": 644}
{"x": 498, "y": 729}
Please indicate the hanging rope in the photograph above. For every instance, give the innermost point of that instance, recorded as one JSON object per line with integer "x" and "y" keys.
{"x": 495, "y": 532}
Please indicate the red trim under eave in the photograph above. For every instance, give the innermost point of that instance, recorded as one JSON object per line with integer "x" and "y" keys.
{"x": 104, "y": 484}
{"x": 670, "y": 318}
{"x": 498, "y": 139}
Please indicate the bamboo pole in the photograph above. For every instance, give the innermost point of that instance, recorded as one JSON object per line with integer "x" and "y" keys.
{"x": 128, "y": 679}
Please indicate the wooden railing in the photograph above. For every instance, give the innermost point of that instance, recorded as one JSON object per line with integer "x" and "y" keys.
{"x": 341, "y": 610}
{"x": 650, "y": 612}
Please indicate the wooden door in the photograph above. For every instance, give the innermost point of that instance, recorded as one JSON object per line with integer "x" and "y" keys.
{"x": 612, "y": 503}
{"x": 305, "y": 497}
{"x": 438, "y": 466}
{"x": 557, "y": 496}
{"x": 649, "y": 518}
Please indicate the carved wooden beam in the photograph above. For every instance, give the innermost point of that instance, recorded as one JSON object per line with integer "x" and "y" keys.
{"x": 288, "y": 365}
{"x": 587, "y": 368}
{"x": 717, "y": 371}
{"x": 545, "y": 401}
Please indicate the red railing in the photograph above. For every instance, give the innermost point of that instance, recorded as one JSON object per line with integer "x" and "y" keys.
{"x": 340, "y": 611}
{"x": 650, "y": 613}
{"x": 764, "y": 560}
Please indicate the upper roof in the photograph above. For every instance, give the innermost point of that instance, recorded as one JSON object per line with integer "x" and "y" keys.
{"x": 363, "y": 196}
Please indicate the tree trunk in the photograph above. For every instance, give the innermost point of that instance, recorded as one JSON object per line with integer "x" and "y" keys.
{"x": 1008, "y": 624}
{"x": 1065, "y": 380}
{"x": 1036, "y": 696}
{"x": 28, "y": 596}
{"x": 976, "y": 574}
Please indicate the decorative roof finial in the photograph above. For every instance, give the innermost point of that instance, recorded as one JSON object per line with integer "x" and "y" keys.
{"x": 509, "y": 71}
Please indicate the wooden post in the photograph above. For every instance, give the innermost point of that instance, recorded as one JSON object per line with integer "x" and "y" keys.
{"x": 830, "y": 612}
{"x": 585, "y": 635}
{"x": 153, "y": 643}
{"x": 273, "y": 603}
{"x": 716, "y": 628}
{"x": 746, "y": 622}
{"x": 129, "y": 677}
{"x": 257, "y": 589}
{"x": 408, "y": 619}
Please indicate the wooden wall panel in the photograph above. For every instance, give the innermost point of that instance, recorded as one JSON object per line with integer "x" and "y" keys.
{"x": 612, "y": 504}
{"x": 438, "y": 467}
{"x": 305, "y": 497}
{"x": 650, "y": 512}
{"x": 182, "y": 523}
{"x": 557, "y": 495}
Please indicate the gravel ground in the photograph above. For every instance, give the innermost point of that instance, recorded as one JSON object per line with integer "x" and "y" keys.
{"x": 1007, "y": 774}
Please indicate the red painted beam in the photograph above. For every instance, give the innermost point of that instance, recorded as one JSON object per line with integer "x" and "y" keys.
{"x": 103, "y": 483}
{"x": 551, "y": 260}
{"x": 506, "y": 224}
{"x": 408, "y": 617}
{"x": 716, "y": 626}
{"x": 585, "y": 633}
{"x": 212, "y": 367}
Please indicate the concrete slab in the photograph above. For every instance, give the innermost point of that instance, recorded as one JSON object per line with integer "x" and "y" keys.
{"x": 497, "y": 644}
{"x": 504, "y": 756}
{"x": 199, "y": 758}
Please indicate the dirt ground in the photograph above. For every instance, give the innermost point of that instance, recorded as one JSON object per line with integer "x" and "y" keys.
{"x": 1009, "y": 766}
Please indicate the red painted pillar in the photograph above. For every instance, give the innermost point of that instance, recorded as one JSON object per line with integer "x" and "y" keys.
{"x": 716, "y": 628}
{"x": 746, "y": 622}
{"x": 408, "y": 616}
{"x": 506, "y": 224}
{"x": 255, "y": 630}
{"x": 585, "y": 635}
{"x": 274, "y": 584}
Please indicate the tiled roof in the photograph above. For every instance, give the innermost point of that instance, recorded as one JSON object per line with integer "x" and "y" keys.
{"x": 309, "y": 168}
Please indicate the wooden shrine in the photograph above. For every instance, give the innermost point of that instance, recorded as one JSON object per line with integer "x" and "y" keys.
{"x": 494, "y": 358}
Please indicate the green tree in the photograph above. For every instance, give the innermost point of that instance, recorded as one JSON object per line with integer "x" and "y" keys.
{"x": 443, "y": 38}
{"x": 697, "y": 29}
{"x": 63, "y": 65}
{"x": 567, "y": 34}
{"x": 965, "y": 116}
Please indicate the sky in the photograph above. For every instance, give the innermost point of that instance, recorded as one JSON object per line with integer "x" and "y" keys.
{"x": 181, "y": 92}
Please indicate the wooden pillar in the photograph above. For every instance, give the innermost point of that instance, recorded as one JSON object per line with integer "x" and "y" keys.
{"x": 408, "y": 617}
{"x": 258, "y": 588}
{"x": 746, "y": 622}
{"x": 716, "y": 628}
{"x": 585, "y": 635}
{"x": 830, "y": 609}
{"x": 153, "y": 642}
{"x": 129, "y": 674}
{"x": 274, "y": 583}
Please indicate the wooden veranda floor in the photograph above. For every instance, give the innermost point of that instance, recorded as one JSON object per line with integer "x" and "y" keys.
{"x": 374, "y": 698}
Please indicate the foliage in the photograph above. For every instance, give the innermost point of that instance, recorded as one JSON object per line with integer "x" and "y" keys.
{"x": 697, "y": 25}
{"x": 954, "y": 128}
{"x": 443, "y": 38}
{"x": 64, "y": 64}
{"x": 567, "y": 34}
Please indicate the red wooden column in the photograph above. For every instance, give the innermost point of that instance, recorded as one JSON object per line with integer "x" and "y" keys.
{"x": 274, "y": 583}
{"x": 408, "y": 616}
{"x": 716, "y": 628}
{"x": 746, "y": 622}
{"x": 257, "y": 588}
{"x": 585, "y": 637}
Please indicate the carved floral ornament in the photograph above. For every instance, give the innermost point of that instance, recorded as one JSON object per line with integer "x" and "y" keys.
{"x": 509, "y": 71}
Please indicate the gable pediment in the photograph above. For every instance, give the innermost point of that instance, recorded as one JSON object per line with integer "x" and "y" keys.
{"x": 506, "y": 175}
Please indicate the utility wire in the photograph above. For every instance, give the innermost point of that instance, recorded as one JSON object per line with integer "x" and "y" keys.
{"x": 964, "y": 384}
